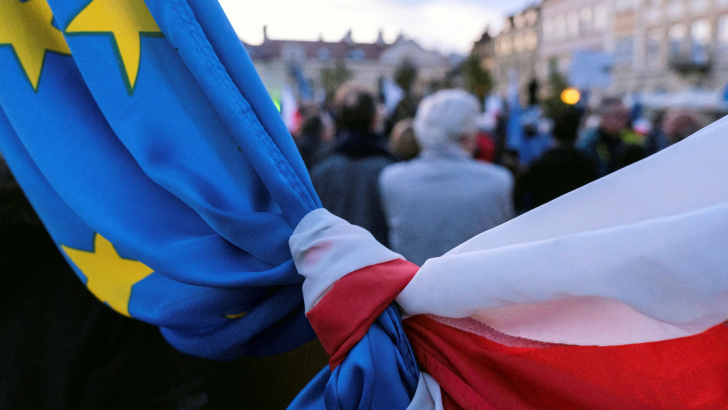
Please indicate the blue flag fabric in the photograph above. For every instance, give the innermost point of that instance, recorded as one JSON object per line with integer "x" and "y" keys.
{"x": 380, "y": 372}
{"x": 143, "y": 137}
{"x": 154, "y": 156}
{"x": 514, "y": 128}
{"x": 304, "y": 87}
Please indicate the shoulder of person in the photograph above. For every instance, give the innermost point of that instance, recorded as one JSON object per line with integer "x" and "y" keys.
{"x": 328, "y": 164}
{"x": 394, "y": 172}
{"x": 493, "y": 171}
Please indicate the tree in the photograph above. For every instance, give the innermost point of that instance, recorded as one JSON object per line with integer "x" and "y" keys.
{"x": 333, "y": 78}
{"x": 405, "y": 76}
{"x": 553, "y": 105}
{"x": 477, "y": 79}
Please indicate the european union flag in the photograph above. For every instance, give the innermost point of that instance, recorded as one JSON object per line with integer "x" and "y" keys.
{"x": 148, "y": 146}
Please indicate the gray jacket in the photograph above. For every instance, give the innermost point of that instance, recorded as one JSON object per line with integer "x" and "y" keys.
{"x": 441, "y": 199}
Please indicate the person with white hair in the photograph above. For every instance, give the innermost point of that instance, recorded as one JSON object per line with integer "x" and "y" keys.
{"x": 443, "y": 197}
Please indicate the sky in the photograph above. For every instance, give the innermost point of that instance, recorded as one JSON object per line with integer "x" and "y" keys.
{"x": 443, "y": 25}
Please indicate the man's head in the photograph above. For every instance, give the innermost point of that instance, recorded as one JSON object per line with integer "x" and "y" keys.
{"x": 679, "y": 124}
{"x": 402, "y": 141}
{"x": 355, "y": 108}
{"x": 614, "y": 117}
{"x": 445, "y": 118}
{"x": 566, "y": 125}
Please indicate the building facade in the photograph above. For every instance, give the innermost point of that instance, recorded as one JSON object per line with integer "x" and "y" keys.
{"x": 670, "y": 45}
{"x": 655, "y": 45}
{"x": 277, "y": 60}
{"x": 516, "y": 50}
{"x": 569, "y": 25}
{"x": 484, "y": 50}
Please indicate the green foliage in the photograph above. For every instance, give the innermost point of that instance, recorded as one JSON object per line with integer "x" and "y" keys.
{"x": 477, "y": 79}
{"x": 405, "y": 76}
{"x": 444, "y": 83}
{"x": 553, "y": 106}
{"x": 333, "y": 78}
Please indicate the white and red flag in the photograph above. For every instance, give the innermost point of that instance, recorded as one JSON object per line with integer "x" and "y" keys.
{"x": 610, "y": 297}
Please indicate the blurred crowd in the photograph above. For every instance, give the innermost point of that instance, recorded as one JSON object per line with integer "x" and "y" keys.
{"x": 425, "y": 182}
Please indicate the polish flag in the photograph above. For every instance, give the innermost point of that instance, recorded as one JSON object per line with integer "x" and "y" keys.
{"x": 610, "y": 297}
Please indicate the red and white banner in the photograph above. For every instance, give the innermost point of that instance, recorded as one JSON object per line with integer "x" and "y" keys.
{"x": 612, "y": 296}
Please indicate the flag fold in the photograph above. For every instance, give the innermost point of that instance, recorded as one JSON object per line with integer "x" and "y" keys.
{"x": 144, "y": 138}
{"x": 612, "y": 296}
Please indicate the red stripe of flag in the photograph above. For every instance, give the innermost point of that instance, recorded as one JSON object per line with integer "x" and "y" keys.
{"x": 345, "y": 314}
{"x": 476, "y": 373}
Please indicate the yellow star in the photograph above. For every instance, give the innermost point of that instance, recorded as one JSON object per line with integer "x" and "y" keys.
{"x": 26, "y": 27}
{"x": 108, "y": 276}
{"x": 126, "y": 21}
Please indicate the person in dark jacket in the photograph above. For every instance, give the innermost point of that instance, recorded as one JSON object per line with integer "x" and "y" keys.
{"x": 612, "y": 145}
{"x": 560, "y": 170}
{"x": 314, "y": 141}
{"x": 347, "y": 181}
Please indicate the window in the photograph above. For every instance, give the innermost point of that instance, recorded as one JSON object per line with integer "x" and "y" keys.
{"x": 573, "y": 24}
{"x": 601, "y": 17}
{"x": 531, "y": 40}
{"x": 293, "y": 52}
{"x": 357, "y": 55}
{"x": 324, "y": 54}
{"x": 506, "y": 47}
{"x": 675, "y": 10}
{"x": 699, "y": 6}
{"x": 585, "y": 19}
{"x": 723, "y": 38}
{"x": 676, "y": 37}
{"x": 559, "y": 28}
{"x": 700, "y": 41}
{"x": 654, "y": 41}
{"x": 519, "y": 21}
{"x": 623, "y": 51}
{"x": 548, "y": 29}
{"x": 507, "y": 25}
{"x": 624, "y": 5}
{"x": 653, "y": 16}
{"x": 518, "y": 43}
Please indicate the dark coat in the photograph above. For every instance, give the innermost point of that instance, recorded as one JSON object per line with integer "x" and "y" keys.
{"x": 347, "y": 181}
{"x": 557, "y": 172}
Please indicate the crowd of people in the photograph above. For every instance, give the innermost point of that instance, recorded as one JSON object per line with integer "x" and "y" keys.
{"x": 427, "y": 183}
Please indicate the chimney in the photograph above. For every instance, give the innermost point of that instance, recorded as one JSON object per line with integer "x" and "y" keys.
{"x": 265, "y": 33}
{"x": 347, "y": 38}
{"x": 380, "y": 38}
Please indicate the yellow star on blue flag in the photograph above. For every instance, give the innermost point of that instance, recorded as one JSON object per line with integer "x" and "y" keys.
{"x": 27, "y": 28}
{"x": 158, "y": 133}
{"x": 126, "y": 21}
{"x": 108, "y": 276}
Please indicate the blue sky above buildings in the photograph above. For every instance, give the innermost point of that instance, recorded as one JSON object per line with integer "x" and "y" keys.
{"x": 444, "y": 25}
